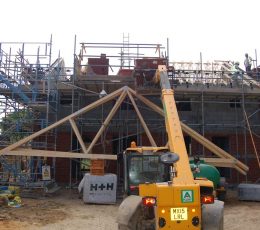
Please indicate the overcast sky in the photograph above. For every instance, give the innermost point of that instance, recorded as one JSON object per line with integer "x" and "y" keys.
{"x": 220, "y": 29}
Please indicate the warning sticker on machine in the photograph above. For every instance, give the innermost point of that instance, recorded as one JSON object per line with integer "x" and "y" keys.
{"x": 186, "y": 196}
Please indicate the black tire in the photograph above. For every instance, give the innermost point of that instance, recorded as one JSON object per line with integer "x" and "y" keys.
{"x": 137, "y": 222}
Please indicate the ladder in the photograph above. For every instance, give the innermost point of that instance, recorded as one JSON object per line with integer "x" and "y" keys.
{"x": 125, "y": 53}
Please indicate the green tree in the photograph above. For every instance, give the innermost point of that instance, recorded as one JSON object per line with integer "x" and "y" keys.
{"x": 17, "y": 125}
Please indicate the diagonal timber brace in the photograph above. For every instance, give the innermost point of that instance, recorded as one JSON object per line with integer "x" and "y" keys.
{"x": 121, "y": 93}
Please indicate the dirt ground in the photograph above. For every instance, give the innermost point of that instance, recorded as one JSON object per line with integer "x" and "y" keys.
{"x": 66, "y": 211}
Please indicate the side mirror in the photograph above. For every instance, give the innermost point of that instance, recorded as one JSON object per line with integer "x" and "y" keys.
{"x": 169, "y": 158}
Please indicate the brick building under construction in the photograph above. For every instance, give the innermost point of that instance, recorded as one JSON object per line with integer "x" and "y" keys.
{"x": 65, "y": 111}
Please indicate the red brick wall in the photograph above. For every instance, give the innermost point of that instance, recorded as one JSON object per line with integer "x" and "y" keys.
{"x": 235, "y": 143}
{"x": 63, "y": 164}
{"x": 237, "y": 148}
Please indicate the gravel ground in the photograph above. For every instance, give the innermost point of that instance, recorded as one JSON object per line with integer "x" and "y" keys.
{"x": 67, "y": 212}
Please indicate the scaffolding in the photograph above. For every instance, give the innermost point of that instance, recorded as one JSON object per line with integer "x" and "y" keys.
{"x": 198, "y": 84}
{"x": 28, "y": 84}
{"x": 50, "y": 90}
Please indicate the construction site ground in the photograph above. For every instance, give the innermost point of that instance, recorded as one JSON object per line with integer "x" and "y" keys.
{"x": 66, "y": 210}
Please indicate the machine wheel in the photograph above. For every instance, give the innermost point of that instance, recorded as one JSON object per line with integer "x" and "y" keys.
{"x": 213, "y": 216}
{"x": 137, "y": 222}
{"x": 131, "y": 215}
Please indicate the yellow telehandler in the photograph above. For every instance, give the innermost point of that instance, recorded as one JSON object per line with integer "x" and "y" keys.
{"x": 163, "y": 193}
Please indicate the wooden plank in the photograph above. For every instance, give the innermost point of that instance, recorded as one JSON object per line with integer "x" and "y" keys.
{"x": 65, "y": 119}
{"x": 147, "y": 102}
{"x": 147, "y": 131}
{"x": 202, "y": 140}
{"x": 47, "y": 153}
{"x": 219, "y": 162}
{"x": 240, "y": 170}
{"x": 107, "y": 120}
{"x": 211, "y": 146}
{"x": 76, "y": 131}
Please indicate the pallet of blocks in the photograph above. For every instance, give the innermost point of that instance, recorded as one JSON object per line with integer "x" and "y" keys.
{"x": 97, "y": 167}
{"x": 97, "y": 186}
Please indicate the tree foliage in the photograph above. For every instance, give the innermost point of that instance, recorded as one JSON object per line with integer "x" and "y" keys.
{"x": 17, "y": 125}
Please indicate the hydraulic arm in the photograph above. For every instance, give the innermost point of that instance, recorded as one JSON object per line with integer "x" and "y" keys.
{"x": 173, "y": 128}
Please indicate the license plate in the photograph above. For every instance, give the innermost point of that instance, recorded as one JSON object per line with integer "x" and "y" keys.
{"x": 179, "y": 214}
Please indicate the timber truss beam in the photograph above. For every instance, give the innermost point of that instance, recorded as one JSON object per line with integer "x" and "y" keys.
{"x": 225, "y": 159}
{"x": 17, "y": 150}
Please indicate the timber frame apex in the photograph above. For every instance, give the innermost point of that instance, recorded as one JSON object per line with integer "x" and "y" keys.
{"x": 119, "y": 95}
